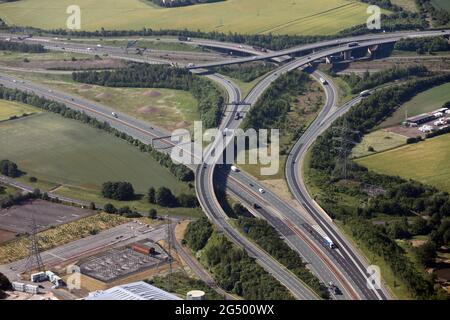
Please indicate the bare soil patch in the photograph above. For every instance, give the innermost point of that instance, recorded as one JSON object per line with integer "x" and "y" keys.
{"x": 152, "y": 93}
{"x": 147, "y": 110}
{"x": 6, "y": 235}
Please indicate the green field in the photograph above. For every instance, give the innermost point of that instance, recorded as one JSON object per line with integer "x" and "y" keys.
{"x": 9, "y": 109}
{"x": 150, "y": 44}
{"x": 427, "y": 101}
{"x": 67, "y": 153}
{"x": 409, "y": 5}
{"x": 442, "y": 4}
{"x": 8, "y": 56}
{"x": 166, "y": 108}
{"x": 379, "y": 140}
{"x": 242, "y": 16}
{"x": 427, "y": 162}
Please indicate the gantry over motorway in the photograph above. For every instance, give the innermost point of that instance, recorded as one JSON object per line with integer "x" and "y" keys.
{"x": 343, "y": 266}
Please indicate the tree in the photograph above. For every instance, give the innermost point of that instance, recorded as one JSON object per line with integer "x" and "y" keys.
{"x": 124, "y": 210}
{"x": 9, "y": 169}
{"x": 109, "y": 208}
{"x": 165, "y": 198}
{"x": 122, "y": 191}
{"x": 240, "y": 210}
{"x": 5, "y": 284}
{"x": 187, "y": 200}
{"x": 153, "y": 214}
{"x": 426, "y": 253}
{"x": 151, "y": 195}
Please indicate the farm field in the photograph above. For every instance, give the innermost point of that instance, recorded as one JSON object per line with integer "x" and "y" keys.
{"x": 442, "y": 4}
{"x": 242, "y": 16}
{"x": 379, "y": 140}
{"x": 65, "y": 152}
{"x": 427, "y": 101}
{"x": 10, "y": 109}
{"x": 166, "y": 108}
{"x": 426, "y": 162}
{"x": 10, "y": 56}
{"x": 409, "y": 5}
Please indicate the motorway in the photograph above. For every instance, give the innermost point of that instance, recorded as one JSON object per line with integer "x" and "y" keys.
{"x": 146, "y": 133}
{"x": 394, "y": 36}
{"x": 288, "y": 215}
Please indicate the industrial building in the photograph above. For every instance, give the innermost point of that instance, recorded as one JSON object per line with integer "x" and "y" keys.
{"x": 118, "y": 263}
{"x": 24, "y": 287}
{"x": 132, "y": 291}
{"x": 420, "y": 119}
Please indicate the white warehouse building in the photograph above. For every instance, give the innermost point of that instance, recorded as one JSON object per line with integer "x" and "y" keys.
{"x": 132, "y": 291}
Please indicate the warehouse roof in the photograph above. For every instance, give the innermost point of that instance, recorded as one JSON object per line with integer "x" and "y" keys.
{"x": 132, "y": 291}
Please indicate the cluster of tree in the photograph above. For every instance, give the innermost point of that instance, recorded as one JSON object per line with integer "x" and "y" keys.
{"x": 3, "y": 24}
{"x": 198, "y": 233}
{"x": 423, "y": 45}
{"x": 272, "y": 108}
{"x": 122, "y": 191}
{"x": 180, "y": 171}
{"x": 210, "y": 98}
{"x": 368, "y": 80}
{"x": 413, "y": 140}
{"x": 246, "y": 72}
{"x": 9, "y": 169}
{"x": 231, "y": 266}
{"x": 408, "y": 198}
{"x": 268, "y": 239}
{"x": 18, "y": 198}
{"x": 123, "y": 211}
{"x": 165, "y": 198}
{"x": 5, "y": 285}
{"x": 378, "y": 242}
{"x": 21, "y": 47}
{"x": 400, "y": 197}
{"x": 181, "y": 3}
{"x": 385, "y": 4}
{"x": 439, "y": 132}
{"x": 440, "y": 16}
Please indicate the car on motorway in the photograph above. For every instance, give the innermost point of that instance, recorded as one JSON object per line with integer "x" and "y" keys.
{"x": 256, "y": 206}
{"x": 261, "y": 190}
{"x": 237, "y": 116}
{"x": 365, "y": 93}
{"x": 114, "y": 114}
{"x": 353, "y": 44}
{"x": 234, "y": 169}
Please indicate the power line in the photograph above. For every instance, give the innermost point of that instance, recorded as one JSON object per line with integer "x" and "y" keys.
{"x": 345, "y": 144}
{"x": 34, "y": 261}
